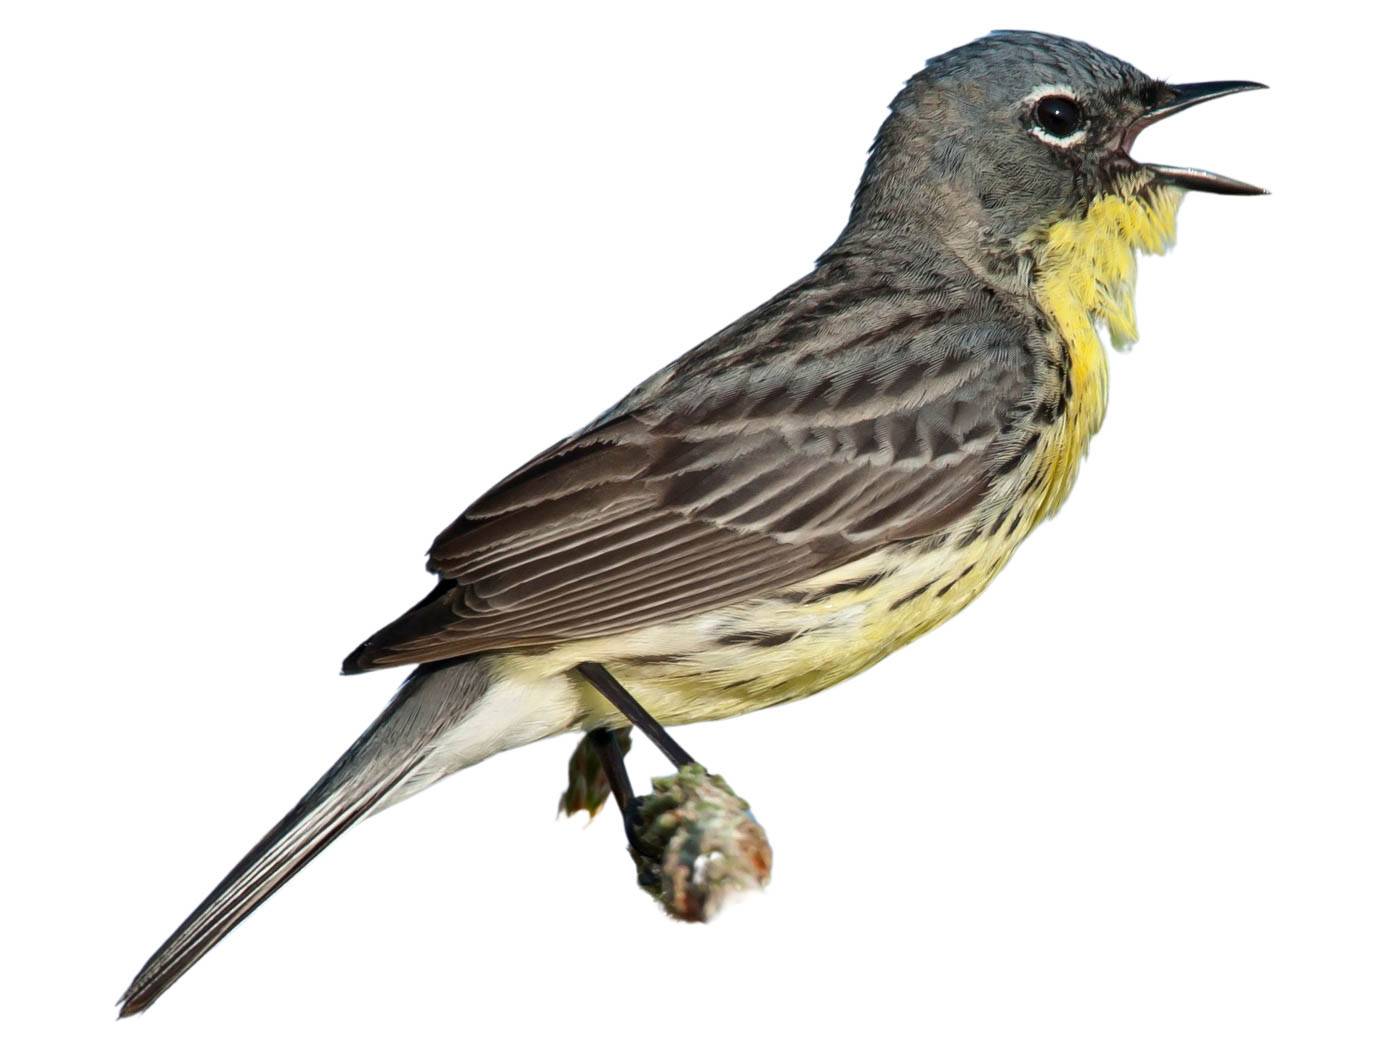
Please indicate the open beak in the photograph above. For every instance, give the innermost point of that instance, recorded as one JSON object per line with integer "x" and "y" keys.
{"x": 1185, "y": 96}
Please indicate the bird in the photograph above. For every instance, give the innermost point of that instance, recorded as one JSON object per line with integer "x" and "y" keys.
{"x": 820, "y": 482}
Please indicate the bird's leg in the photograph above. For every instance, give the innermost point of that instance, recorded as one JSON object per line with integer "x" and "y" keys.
{"x": 610, "y": 688}
{"x": 607, "y": 746}
{"x": 613, "y": 762}
{"x": 606, "y": 742}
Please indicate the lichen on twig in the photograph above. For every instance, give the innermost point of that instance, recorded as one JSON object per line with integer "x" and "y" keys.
{"x": 699, "y": 844}
{"x": 695, "y": 842}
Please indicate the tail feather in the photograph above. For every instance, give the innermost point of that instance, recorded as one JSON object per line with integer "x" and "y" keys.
{"x": 429, "y": 701}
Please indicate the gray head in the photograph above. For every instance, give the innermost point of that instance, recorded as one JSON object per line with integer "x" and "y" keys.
{"x": 998, "y": 139}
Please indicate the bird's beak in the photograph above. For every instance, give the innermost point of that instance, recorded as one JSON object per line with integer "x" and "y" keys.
{"x": 1185, "y": 96}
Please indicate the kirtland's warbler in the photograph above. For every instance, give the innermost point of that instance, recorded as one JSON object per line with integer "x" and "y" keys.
{"x": 824, "y": 479}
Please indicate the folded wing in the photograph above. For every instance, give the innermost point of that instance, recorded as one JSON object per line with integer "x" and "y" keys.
{"x": 729, "y": 476}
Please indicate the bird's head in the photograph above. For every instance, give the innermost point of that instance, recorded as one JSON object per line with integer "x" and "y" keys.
{"x": 993, "y": 143}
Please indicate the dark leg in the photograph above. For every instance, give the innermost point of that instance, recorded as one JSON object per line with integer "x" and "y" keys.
{"x": 604, "y": 741}
{"x": 607, "y": 746}
{"x": 610, "y": 688}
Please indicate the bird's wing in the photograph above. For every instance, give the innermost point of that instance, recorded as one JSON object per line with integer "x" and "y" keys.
{"x": 727, "y": 477}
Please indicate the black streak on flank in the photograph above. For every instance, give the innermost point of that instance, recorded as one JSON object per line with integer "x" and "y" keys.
{"x": 654, "y": 659}
{"x": 756, "y": 639}
{"x": 951, "y": 584}
{"x": 919, "y": 591}
{"x": 998, "y": 524}
{"x": 837, "y": 589}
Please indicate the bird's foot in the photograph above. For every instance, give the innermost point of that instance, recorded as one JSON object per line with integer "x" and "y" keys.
{"x": 588, "y": 780}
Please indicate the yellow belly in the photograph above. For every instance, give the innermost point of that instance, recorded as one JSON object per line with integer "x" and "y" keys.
{"x": 785, "y": 646}
{"x": 792, "y": 649}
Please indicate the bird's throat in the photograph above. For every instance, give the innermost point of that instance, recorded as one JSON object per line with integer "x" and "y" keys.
{"x": 1084, "y": 280}
{"x": 1086, "y": 266}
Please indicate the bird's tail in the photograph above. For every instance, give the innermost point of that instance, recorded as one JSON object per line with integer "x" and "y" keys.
{"x": 430, "y": 701}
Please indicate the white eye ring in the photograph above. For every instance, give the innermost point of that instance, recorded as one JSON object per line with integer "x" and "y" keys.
{"x": 1044, "y": 91}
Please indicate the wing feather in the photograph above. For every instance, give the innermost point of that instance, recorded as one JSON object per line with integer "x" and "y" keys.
{"x": 761, "y": 459}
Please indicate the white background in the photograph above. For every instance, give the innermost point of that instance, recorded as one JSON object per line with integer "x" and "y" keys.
{"x": 285, "y": 285}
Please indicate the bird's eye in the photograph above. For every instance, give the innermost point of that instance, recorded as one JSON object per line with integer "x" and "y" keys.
{"x": 1058, "y": 115}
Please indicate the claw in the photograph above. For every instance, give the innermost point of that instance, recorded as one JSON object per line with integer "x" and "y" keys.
{"x": 588, "y": 782}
